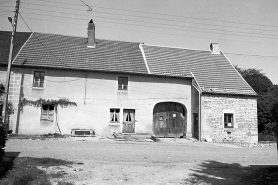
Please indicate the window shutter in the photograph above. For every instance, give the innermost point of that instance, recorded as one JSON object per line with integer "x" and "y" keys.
{"x": 51, "y": 115}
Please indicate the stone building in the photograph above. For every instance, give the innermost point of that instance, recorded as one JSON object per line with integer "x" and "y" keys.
{"x": 126, "y": 87}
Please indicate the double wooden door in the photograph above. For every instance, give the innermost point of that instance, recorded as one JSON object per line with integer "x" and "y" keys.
{"x": 169, "y": 124}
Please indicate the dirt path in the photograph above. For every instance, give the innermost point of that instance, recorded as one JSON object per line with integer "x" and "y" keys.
{"x": 118, "y": 162}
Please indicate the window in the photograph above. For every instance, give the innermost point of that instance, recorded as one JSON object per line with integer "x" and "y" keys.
{"x": 122, "y": 83}
{"x": 114, "y": 115}
{"x": 228, "y": 120}
{"x": 47, "y": 112}
{"x": 38, "y": 80}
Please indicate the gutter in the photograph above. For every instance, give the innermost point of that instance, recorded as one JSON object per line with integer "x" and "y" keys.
{"x": 231, "y": 94}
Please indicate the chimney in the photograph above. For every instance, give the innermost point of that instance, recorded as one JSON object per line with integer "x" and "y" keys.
{"x": 91, "y": 35}
{"x": 214, "y": 48}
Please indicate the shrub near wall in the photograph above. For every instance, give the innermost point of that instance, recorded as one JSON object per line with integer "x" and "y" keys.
{"x": 3, "y": 138}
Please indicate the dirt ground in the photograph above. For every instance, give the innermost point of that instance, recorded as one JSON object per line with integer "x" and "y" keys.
{"x": 170, "y": 161}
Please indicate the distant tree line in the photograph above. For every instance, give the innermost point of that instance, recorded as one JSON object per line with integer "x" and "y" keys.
{"x": 267, "y": 102}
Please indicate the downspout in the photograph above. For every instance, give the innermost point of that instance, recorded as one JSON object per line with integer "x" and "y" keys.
{"x": 199, "y": 117}
{"x": 199, "y": 109}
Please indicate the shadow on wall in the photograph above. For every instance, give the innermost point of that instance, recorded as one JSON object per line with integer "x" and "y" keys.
{"x": 217, "y": 173}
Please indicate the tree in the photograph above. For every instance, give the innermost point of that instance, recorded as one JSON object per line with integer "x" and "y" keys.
{"x": 3, "y": 134}
{"x": 3, "y": 128}
{"x": 256, "y": 79}
{"x": 274, "y": 112}
{"x": 269, "y": 94}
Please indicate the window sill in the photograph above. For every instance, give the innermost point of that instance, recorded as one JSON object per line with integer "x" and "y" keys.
{"x": 124, "y": 90}
{"x": 38, "y": 88}
{"x": 114, "y": 123}
{"x": 229, "y": 130}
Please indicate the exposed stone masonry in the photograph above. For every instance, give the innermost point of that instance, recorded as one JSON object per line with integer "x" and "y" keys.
{"x": 245, "y": 118}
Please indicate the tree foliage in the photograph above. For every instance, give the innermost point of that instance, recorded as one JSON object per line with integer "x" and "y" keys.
{"x": 63, "y": 102}
{"x": 269, "y": 95}
{"x": 3, "y": 128}
{"x": 256, "y": 79}
{"x": 274, "y": 113}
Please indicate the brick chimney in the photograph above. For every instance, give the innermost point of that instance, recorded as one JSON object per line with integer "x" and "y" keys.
{"x": 91, "y": 35}
{"x": 214, "y": 48}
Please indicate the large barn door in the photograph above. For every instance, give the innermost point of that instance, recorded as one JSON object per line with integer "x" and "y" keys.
{"x": 169, "y": 119}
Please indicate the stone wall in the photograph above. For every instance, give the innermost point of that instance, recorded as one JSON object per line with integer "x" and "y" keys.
{"x": 244, "y": 110}
{"x": 14, "y": 92}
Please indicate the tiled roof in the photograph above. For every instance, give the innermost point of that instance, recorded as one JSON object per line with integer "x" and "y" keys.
{"x": 5, "y": 41}
{"x": 213, "y": 72}
{"x": 68, "y": 52}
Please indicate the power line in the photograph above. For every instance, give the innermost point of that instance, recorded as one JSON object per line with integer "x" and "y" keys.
{"x": 68, "y": 66}
{"x": 162, "y": 19}
{"x": 155, "y": 32}
{"x": 4, "y": 2}
{"x": 41, "y": 42}
{"x": 178, "y": 16}
{"x": 263, "y": 56}
{"x": 3, "y": 28}
{"x": 219, "y": 30}
{"x": 155, "y": 26}
{"x": 5, "y": 13}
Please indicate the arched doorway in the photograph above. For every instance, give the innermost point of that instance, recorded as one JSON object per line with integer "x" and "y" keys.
{"x": 169, "y": 119}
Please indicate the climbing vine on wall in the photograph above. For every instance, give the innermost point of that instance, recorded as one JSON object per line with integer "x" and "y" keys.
{"x": 63, "y": 102}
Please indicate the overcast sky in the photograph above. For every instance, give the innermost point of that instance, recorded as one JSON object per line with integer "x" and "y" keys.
{"x": 246, "y": 30}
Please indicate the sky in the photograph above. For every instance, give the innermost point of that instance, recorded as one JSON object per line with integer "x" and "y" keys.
{"x": 246, "y": 31}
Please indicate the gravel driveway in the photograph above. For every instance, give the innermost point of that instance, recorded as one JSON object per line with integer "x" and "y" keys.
{"x": 128, "y": 162}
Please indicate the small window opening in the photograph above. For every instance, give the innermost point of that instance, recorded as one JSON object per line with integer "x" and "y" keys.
{"x": 228, "y": 120}
{"x": 38, "y": 80}
{"x": 122, "y": 83}
{"x": 114, "y": 115}
{"x": 47, "y": 113}
{"x": 128, "y": 117}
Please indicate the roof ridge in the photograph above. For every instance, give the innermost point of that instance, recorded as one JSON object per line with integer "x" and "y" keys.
{"x": 175, "y": 47}
{"x": 86, "y": 37}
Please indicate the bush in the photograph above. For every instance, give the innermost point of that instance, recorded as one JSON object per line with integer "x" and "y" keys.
{"x": 270, "y": 129}
{"x": 263, "y": 137}
{"x": 3, "y": 138}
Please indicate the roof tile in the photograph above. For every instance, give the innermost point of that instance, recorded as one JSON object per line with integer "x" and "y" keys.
{"x": 213, "y": 72}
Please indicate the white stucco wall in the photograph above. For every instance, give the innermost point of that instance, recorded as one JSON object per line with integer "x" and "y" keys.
{"x": 95, "y": 95}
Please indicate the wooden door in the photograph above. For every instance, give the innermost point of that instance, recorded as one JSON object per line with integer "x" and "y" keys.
{"x": 195, "y": 125}
{"x": 175, "y": 124}
{"x": 169, "y": 120}
{"x": 129, "y": 121}
{"x": 160, "y": 124}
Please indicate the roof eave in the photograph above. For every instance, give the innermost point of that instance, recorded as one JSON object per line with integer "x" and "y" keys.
{"x": 232, "y": 94}
{"x": 104, "y": 71}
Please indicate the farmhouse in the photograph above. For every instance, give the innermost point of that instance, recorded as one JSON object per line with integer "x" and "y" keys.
{"x": 125, "y": 87}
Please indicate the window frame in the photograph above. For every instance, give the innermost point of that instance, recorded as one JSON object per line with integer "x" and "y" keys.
{"x": 33, "y": 79}
{"x": 48, "y": 111}
{"x": 116, "y": 114}
{"x": 225, "y": 117}
{"x": 118, "y": 85}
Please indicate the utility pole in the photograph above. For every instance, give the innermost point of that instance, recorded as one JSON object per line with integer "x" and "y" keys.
{"x": 6, "y": 95}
